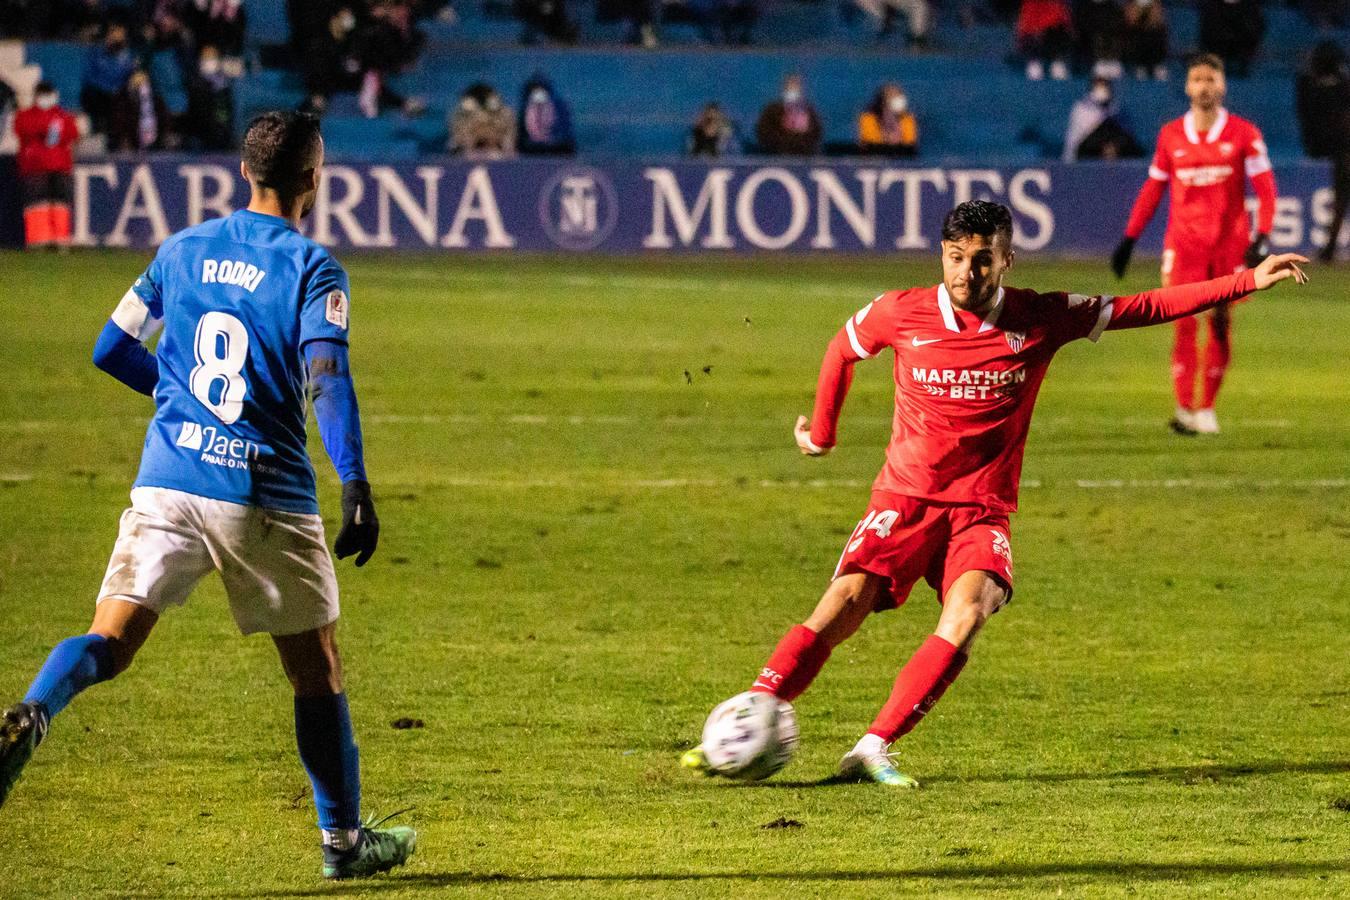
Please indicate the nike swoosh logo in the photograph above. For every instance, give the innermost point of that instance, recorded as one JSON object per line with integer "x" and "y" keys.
{"x": 919, "y": 343}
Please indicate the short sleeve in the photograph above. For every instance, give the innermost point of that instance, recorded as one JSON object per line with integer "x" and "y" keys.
{"x": 1073, "y": 316}
{"x": 326, "y": 306}
{"x": 140, "y": 313}
{"x": 872, "y": 328}
{"x": 1256, "y": 159}
{"x": 1160, "y": 169}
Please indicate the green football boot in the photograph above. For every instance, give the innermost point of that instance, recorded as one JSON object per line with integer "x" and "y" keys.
{"x": 871, "y": 760}
{"x": 695, "y": 760}
{"x": 376, "y": 850}
{"x": 22, "y": 728}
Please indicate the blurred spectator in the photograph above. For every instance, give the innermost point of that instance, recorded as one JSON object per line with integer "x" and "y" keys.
{"x": 106, "y": 69}
{"x": 209, "y": 121}
{"x": 545, "y": 121}
{"x": 482, "y": 126}
{"x": 724, "y": 21}
{"x": 1098, "y": 25}
{"x": 217, "y": 23}
{"x": 547, "y": 18}
{"x": 888, "y": 127}
{"x": 1045, "y": 35}
{"x": 712, "y": 133}
{"x": 1097, "y": 126}
{"x": 328, "y": 61}
{"x": 1144, "y": 42}
{"x": 1232, "y": 30}
{"x": 789, "y": 126}
{"x": 139, "y": 119}
{"x": 1323, "y": 102}
{"x": 637, "y": 16}
{"x": 46, "y": 134}
{"x": 386, "y": 45}
{"x": 916, "y": 13}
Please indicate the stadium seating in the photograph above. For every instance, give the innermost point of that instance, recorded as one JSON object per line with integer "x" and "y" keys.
{"x": 972, "y": 104}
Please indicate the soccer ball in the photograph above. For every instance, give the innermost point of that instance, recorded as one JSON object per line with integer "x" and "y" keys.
{"x": 750, "y": 737}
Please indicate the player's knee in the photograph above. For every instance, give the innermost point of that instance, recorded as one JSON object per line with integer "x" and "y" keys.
{"x": 312, "y": 662}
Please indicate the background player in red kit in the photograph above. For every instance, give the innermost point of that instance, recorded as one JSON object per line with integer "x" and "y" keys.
{"x": 1206, "y": 157}
{"x": 970, "y": 356}
{"x": 46, "y": 135}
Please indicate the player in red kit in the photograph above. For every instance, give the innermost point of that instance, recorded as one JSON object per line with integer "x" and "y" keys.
{"x": 1206, "y": 157}
{"x": 46, "y": 135}
{"x": 970, "y": 355}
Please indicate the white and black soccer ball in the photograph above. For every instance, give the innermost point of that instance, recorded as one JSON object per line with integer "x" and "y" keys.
{"x": 751, "y": 736}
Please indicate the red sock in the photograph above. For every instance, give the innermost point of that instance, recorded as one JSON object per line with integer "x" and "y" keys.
{"x": 923, "y": 680}
{"x": 37, "y": 228}
{"x": 793, "y": 665}
{"x": 60, "y": 219}
{"x": 1218, "y": 352}
{"x": 1183, "y": 362}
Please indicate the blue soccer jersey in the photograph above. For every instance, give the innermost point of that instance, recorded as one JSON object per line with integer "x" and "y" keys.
{"x": 238, "y": 299}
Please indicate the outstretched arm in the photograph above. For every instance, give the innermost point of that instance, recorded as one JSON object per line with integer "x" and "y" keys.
{"x": 1166, "y": 304}
{"x": 335, "y": 409}
{"x": 817, "y": 437}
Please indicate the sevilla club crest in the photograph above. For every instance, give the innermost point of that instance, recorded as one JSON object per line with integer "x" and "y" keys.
{"x": 1016, "y": 340}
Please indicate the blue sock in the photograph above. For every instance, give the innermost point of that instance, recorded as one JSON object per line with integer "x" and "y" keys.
{"x": 73, "y": 665}
{"x": 323, "y": 732}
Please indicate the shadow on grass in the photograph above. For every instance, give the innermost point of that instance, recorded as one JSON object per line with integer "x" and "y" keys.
{"x": 1195, "y": 774}
{"x": 1185, "y": 774}
{"x": 1126, "y": 871}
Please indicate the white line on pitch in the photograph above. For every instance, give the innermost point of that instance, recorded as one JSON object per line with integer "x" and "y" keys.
{"x": 827, "y": 483}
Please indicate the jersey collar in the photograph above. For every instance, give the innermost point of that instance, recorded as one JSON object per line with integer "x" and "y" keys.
{"x": 264, "y": 217}
{"x": 988, "y": 320}
{"x": 1188, "y": 123}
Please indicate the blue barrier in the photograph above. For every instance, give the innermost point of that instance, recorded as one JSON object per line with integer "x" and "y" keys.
{"x": 658, "y": 205}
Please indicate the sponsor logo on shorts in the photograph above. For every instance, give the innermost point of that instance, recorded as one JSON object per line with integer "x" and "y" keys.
{"x": 1002, "y": 546}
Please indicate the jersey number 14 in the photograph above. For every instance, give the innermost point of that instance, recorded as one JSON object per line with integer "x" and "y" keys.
{"x": 221, "y": 347}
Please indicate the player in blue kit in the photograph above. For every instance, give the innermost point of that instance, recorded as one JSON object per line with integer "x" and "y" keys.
{"x": 254, "y": 318}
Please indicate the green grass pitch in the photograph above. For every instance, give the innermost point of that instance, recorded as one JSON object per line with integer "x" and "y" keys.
{"x": 596, "y": 525}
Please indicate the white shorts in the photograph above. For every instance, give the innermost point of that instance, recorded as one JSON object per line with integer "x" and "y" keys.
{"x": 275, "y": 565}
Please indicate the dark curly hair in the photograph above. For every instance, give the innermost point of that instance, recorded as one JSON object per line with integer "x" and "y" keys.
{"x": 280, "y": 147}
{"x": 982, "y": 217}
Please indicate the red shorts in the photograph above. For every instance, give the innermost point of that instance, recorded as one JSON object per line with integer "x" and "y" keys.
{"x": 907, "y": 538}
{"x": 1186, "y": 265}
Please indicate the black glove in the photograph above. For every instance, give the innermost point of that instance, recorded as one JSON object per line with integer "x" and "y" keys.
{"x": 360, "y": 527}
{"x": 1120, "y": 260}
{"x": 1258, "y": 251}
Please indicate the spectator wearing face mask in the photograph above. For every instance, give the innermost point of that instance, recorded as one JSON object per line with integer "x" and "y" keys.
{"x": 888, "y": 127}
{"x": 209, "y": 121}
{"x": 545, "y": 121}
{"x": 139, "y": 120}
{"x": 1144, "y": 39}
{"x": 47, "y": 134}
{"x": 789, "y": 126}
{"x": 106, "y": 69}
{"x": 712, "y": 133}
{"x": 329, "y": 64}
{"x": 1097, "y": 127}
{"x": 482, "y": 126}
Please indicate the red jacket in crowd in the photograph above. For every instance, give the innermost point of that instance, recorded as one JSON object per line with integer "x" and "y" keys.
{"x": 46, "y": 137}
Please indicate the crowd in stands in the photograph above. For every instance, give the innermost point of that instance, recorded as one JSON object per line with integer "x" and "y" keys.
{"x": 482, "y": 126}
{"x": 203, "y": 40}
{"x": 356, "y": 45}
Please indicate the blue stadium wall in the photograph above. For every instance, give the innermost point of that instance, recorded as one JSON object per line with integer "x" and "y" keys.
{"x": 653, "y": 206}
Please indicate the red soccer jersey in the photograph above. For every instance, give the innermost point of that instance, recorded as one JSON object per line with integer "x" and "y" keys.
{"x": 1208, "y": 177}
{"x": 45, "y": 140}
{"x": 965, "y": 386}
